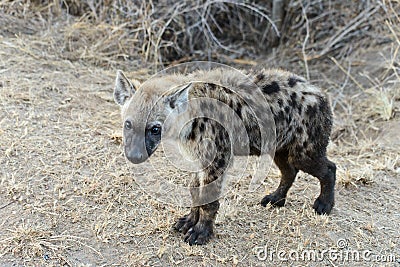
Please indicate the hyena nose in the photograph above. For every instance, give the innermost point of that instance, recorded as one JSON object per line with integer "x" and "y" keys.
{"x": 135, "y": 157}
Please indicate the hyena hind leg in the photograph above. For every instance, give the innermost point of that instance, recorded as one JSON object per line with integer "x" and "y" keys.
{"x": 288, "y": 175}
{"x": 325, "y": 171}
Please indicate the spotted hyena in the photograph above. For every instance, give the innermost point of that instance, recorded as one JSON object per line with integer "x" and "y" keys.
{"x": 301, "y": 113}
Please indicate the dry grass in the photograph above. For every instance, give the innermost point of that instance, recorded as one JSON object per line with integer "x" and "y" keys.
{"x": 66, "y": 194}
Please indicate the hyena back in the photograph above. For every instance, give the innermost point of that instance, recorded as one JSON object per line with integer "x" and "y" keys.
{"x": 301, "y": 113}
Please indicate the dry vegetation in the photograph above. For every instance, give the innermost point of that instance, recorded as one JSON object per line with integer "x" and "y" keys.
{"x": 66, "y": 194}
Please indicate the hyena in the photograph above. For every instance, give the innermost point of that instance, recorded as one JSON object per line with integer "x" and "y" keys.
{"x": 303, "y": 122}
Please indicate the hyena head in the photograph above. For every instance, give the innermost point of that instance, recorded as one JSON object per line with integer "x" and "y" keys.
{"x": 144, "y": 109}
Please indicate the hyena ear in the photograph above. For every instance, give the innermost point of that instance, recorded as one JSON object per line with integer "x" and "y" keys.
{"x": 178, "y": 101}
{"x": 124, "y": 88}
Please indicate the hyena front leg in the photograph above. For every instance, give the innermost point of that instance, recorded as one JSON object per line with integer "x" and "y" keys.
{"x": 214, "y": 154}
{"x": 207, "y": 197}
{"x": 203, "y": 231}
{"x": 188, "y": 221}
{"x": 197, "y": 226}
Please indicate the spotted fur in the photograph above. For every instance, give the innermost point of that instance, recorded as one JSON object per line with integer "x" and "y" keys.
{"x": 300, "y": 112}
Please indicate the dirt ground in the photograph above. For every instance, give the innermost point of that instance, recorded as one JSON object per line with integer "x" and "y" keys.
{"x": 67, "y": 197}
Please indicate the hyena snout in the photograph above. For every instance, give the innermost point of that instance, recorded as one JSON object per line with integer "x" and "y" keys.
{"x": 136, "y": 154}
{"x": 135, "y": 157}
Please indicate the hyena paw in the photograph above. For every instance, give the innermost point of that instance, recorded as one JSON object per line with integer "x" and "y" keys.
{"x": 274, "y": 199}
{"x": 322, "y": 206}
{"x": 185, "y": 223}
{"x": 200, "y": 234}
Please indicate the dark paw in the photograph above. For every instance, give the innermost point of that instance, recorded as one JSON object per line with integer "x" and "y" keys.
{"x": 200, "y": 234}
{"x": 185, "y": 223}
{"x": 276, "y": 201}
{"x": 323, "y": 206}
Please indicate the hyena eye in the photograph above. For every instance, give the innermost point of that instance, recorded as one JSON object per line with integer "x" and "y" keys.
{"x": 128, "y": 125}
{"x": 156, "y": 130}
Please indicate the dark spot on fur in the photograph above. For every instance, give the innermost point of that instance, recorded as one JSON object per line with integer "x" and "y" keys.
{"x": 255, "y": 151}
{"x": 287, "y": 109}
{"x": 311, "y": 93}
{"x": 299, "y": 130}
{"x": 259, "y": 77}
{"x": 288, "y": 119}
{"x": 293, "y": 99}
{"x": 311, "y": 110}
{"x": 201, "y": 127}
{"x": 192, "y": 134}
{"x": 305, "y": 144}
{"x": 271, "y": 88}
{"x": 221, "y": 136}
{"x": 239, "y": 110}
{"x": 300, "y": 108}
{"x": 211, "y": 86}
{"x": 194, "y": 123}
{"x": 221, "y": 163}
{"x": 226, "y": 91}
{"x": 280, "y": 102}
{"x": 293, "y": 80}
{"x": 281, "y": 116}
{"x": 211, "y": 172}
